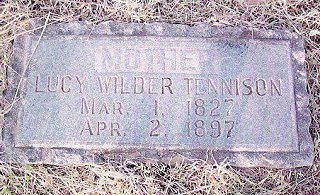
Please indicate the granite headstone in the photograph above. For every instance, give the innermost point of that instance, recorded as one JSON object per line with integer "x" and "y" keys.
{"x": 156, "y": 90}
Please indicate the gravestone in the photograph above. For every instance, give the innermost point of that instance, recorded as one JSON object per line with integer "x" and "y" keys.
{"x": 155, "y": 91}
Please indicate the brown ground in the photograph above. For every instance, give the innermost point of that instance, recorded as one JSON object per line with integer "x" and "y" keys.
{"x": 127, "y": 176}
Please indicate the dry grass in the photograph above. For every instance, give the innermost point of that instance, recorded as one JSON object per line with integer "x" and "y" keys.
{"x": 120, "y": 176}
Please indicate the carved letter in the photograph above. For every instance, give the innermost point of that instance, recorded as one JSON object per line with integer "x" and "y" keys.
{"x": 170, "y": 60}
{"x": 123, "y": 86}
{"x": 65, "y": 90}
{"x": 117, "y": 106}
{"x": 151, "y": 85}
{"x": 198, "y": 86}
{"x": 259, "y": 90}
{"x": 246, "y": 85}
{"x": 212, "y": 86}
{"x": 84, "y": 106}
{"x": 131, "y": 59}
{"x": 104, "y": 109}
{"x": 106, "y": 83}
{"x": 188, "y": 84}
{"x": 37, "y": 83}
{"x": 80, "y": 84}
{"x": 101, "y": 127}
{"x": 115, "y": 127}
{"x": 189, "y": 60}
{"x": 237, "y": 86}
{"x": 168, "y": 85}
{"x": 56, "y": 84}
{"x": 136, "y": 88}
{"x": 229, "y": 88}
{"x": 87, "y": 127}
{"x": 275, "y": 87}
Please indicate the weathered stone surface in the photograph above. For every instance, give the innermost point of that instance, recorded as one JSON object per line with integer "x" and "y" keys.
{"x": 158, "y": 89}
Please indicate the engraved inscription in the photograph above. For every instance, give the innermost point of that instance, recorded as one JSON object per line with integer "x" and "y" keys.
{"x": 137, "y": 85}
{"x": 161, "y": 93}
{"x": 233, "y": 87}
{"x": 147, "y": 59}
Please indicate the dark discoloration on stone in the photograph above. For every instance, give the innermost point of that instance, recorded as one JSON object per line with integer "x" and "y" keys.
{"x": 271, "y": 129}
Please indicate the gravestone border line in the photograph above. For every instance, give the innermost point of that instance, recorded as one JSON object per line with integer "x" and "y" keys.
{"x": 304, "y": 157}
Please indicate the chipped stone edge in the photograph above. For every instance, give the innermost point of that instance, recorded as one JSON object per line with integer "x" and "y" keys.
{"x": 242, "y": 159}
